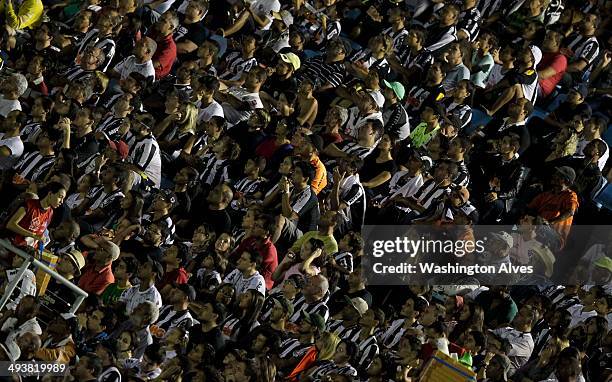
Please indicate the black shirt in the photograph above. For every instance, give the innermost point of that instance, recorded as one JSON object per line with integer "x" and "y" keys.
{"x": 212, "y": 337}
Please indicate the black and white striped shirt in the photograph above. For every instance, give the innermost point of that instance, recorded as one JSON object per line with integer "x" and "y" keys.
{"x": 215, "y": 171}
{"x": 29, "y": 132}
{"x": 147, "y": 219}
{"x": 76, "y": 73}
{"x": 337, "y": 327}
{"x": 33, "y": 166}
{"x": 146, "y": 155}
{"x": 397, "y": 37}
{"x": 586, "y": 48}
{"x": 328, "y": 367}
{"x": 345, "y": 260}
{"x": 110, "y": 126}
{"x": 321, "y": 73}
{"x": 421, "y": 59}
{"x": 488, "y": 7}
{"x": 428, "y": 192}
{"x": 368, "y": 349}
{"x": 236, "y": 66}
{"x": 247, "y": 187}
{"x": 300, "y": 305}
{"x": 392, "y": 336}
{"x": 460, "y": 111}
{"x": 469, "y": 22}
{"x": 439, "y": 37}
{"x": 293, "y": 348}
{"x": 170, "y": 318}
{"x": 105, "y": 43}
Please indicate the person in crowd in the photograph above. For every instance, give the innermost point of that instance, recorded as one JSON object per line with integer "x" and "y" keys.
{"x": 215, "y": 175}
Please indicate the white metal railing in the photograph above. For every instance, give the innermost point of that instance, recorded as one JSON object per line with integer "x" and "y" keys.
{"x": 31, "y": 260}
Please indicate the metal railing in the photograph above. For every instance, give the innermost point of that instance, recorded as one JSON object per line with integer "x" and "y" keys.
{"x": 29, "y": 260}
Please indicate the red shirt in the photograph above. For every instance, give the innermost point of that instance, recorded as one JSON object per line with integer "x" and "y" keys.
{"x": 556, "y": 61}
{"x": 165, "y": 55}
{"x": 267, "y": 250}
{"x": 95, "y": 282}
{"x": 177, "y": 276}
{"x": 36, "y": 220}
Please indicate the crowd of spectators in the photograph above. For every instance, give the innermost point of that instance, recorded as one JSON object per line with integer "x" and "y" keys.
{"x": 203, "y": 169}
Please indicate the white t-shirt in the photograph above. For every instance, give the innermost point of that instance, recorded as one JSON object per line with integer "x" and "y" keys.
{"x": 161, "y": 8}
{"x": 234, "y": 116}
{"x": 130, "y": 65}
{"x": 212, "y": 110}
{"x": 264, "y": 9}
{"x": 241, "y": 284}
{"x": 16, "y": 146}
{"x": 134, "y": 297}
{"x": 8, "y": 105}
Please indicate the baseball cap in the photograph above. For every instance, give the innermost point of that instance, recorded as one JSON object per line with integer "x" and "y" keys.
{"x": 566, "y": 173}
{"x": 604, "y": 262}
{"x": 285, "y": 304}
{"x": 291, "y": 58}
{"x": 189, "y": 291}
{"x": 357, "y": 303}
{"x": 503, "y": 236}
{"x": 77, "y": 259}
{"x": 581, "y": 89}
{"x": 314, "y": 319}
{"x": 120, "y": 147}
{"x": 537, "y": 55}
{"x": 397, "y": 88}
{"x": 285, "y": 16}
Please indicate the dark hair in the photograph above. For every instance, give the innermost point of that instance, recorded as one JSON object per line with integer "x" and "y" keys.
{"x": 255, "y": 257}
{"x": 420, "y": 32}
{"x": 352, "y": 350}
{"x": 94, "y": 363}
{"x": 307, "y": 170}
{"x": 52, "y": 188}
{"x": 131, "y": 265}
{"x": 355, "y": 241}
{"x": 316, "y": 243}
{"x": 155, "y": 353}
{"x": 210, "y": 83}
{"x": 479, "y": 338}
{"x": 134, "y": 212}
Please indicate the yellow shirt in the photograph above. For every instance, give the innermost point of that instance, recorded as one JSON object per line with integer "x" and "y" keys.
{"x": 28, "y": 15}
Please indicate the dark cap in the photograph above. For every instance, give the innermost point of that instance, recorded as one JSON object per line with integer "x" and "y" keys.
{"x": 581, "y": 89}
{"x": 189, "y": 291}
{"x": 567, "y": 173}
{"x": 285, "y": 304}
{"x": 314, "y": 319}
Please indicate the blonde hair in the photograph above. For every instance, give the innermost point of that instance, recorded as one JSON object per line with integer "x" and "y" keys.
{"x": 190, "y": 119}
{"x": 329, "y": 343}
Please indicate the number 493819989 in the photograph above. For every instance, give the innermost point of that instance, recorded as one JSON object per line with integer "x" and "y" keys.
{"x": 32, "y": 368}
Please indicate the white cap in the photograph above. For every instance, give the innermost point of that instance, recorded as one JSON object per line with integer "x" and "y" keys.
{"x": 537, "y": 55}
